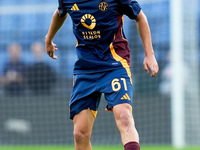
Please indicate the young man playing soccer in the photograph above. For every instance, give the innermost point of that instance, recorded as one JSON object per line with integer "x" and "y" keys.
{"x": 103, "y": 63}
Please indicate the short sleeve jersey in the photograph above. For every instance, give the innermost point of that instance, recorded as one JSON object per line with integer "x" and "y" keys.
{"x": 98, "y": 27}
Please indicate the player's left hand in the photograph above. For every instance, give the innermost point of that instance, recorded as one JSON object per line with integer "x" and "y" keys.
{"x": 151, "y": 63}
{"x": 50, "y": 49}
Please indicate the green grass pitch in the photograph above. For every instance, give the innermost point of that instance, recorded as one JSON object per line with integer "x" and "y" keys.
{"x": 65, "y": 147}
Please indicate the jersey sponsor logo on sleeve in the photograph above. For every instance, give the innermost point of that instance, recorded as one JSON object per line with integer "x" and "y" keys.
{"x": 75, "y": 7}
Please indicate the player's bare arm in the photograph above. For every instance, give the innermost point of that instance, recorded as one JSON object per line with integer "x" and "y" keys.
{"x": 144, "y": 31}
{"x": 56, "y": 23}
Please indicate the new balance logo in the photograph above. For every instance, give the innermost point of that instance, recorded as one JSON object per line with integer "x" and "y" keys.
{"x": 125, "y": 97}
{"x": 75, "y": 7}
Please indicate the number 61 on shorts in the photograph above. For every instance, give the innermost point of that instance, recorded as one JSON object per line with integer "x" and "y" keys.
{"x": 116, "y": 86}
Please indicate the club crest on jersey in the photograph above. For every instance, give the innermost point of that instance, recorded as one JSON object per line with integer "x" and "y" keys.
{"x": 103, "y": 6}
{"x": 88, "y": 21}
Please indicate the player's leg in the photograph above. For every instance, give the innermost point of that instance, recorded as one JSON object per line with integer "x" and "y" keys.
{"x": 83, "y": 123}
{"x": 84, "y": 103}
{"x": 125, "y": 123}
{"x": 118, "y": 94}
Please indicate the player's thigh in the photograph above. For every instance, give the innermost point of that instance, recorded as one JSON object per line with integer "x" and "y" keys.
{"x": 83, "y": 122}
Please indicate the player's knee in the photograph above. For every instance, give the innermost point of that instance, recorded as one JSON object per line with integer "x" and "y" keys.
{"x": 125, "y": 120}
{"x": 80, "y": 136}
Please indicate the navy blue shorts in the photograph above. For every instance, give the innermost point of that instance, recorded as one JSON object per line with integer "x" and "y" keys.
{"x": 88, "y": 88}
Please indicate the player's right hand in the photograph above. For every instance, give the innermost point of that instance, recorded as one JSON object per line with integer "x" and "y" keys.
{"x": 50, "y": 49}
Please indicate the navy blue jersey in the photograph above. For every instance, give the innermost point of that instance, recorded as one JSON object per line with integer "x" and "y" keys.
{"x": 97, "y": 25}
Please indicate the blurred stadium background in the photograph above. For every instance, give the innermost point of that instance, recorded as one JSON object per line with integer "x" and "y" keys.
{"x": 34, "y": 108}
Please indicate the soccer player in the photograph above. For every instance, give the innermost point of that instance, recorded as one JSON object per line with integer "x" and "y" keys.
{"x": 103, "y": 63}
